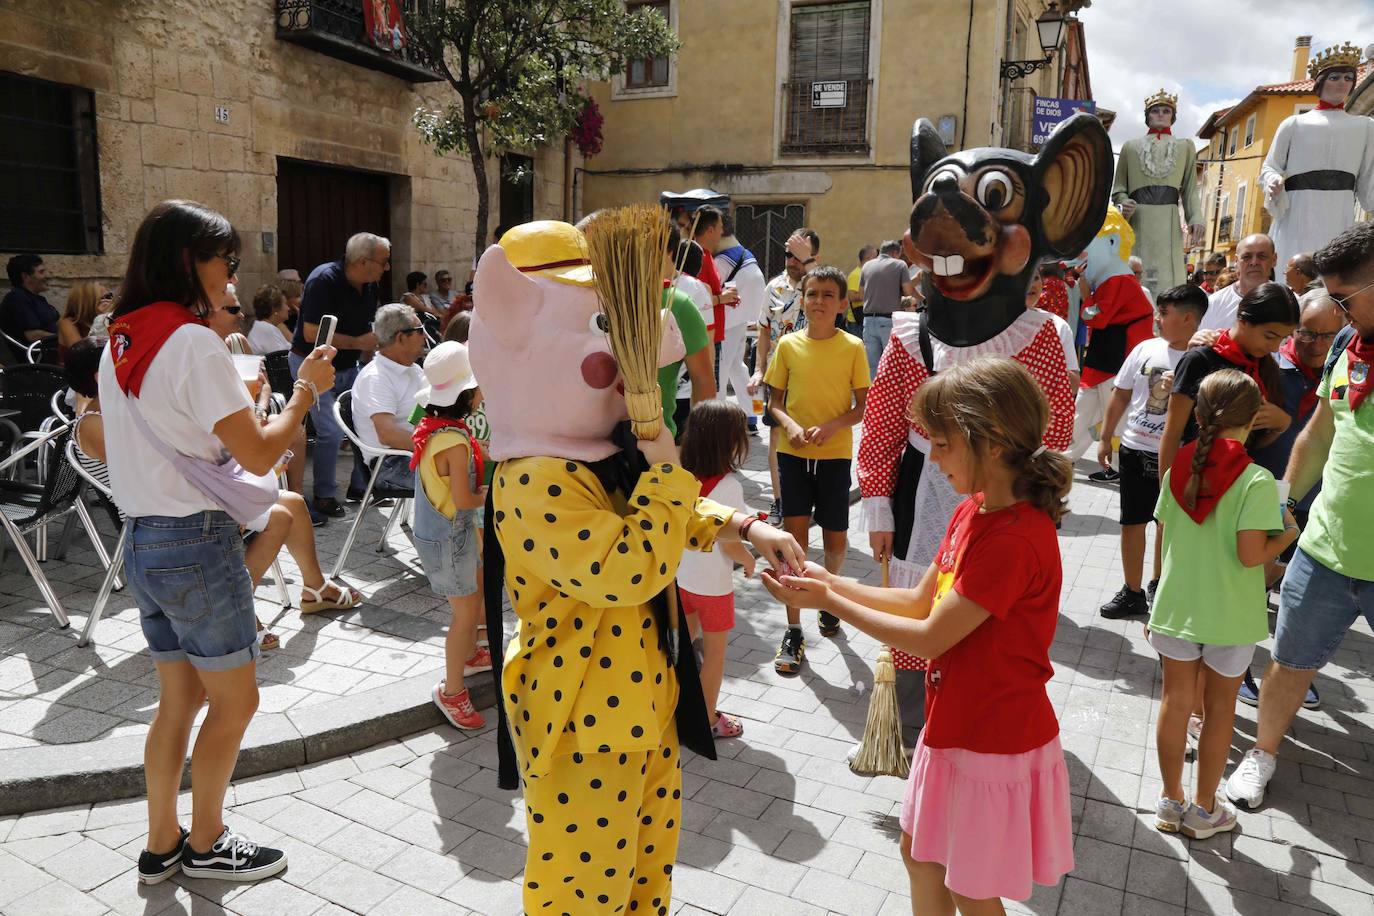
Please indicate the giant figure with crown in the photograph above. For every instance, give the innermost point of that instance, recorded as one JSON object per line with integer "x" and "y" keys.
{"x": 1321, "y": 161}
{"x": 1154, "y": 175}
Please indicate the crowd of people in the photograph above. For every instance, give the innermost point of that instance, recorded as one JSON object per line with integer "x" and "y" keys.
{"x": 1226, "y": 390}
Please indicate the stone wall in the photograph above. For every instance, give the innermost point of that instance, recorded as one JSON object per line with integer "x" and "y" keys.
{"x": 159, "y": 71}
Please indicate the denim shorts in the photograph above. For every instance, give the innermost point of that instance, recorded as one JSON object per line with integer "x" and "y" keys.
{"x": 1317, "y": 605}
{"x": 449, "y": 560}
{"x": 194, "y": 596}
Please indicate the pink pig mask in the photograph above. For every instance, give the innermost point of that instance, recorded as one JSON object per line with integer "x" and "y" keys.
{"x": 549, "y": 382}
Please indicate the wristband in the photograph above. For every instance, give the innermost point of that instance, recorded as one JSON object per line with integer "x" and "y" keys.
{"x": 303, "y": 385}
{"x": 1291, "y": 528}
{"x": 1292, "y": 504}
{"x": 745, "y": 526}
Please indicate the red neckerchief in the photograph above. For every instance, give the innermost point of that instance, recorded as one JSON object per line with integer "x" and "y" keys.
{"x": 1361, "y": 354}
{"x": 709, "y": 483}
{"x": 1230, "y": 351}
{"x": 431, "y": 425}
{"x": 1225, "y": 462}
{"x": 136, "y": 337}
{"x": 1313, "y": 377}
{"x": 1161, "y": 131}
{"x": 1327, "y": 106}
{"x": 711, "y": 278}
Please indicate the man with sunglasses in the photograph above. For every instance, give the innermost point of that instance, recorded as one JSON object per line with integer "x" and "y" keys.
{"x": 1330, "y": 581}
{"x": 348, "y": 290}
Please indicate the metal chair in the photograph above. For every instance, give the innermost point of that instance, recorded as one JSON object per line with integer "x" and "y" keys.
{"x": 28, "y": 390}
{"x": 59, "y": 408}
{"x": 25, "y": 507}
{"x": 16, "y": 351}
{"x": 43, "y": 350}
{"x": 343, "y": 415}
{"x": 91, "y": 473}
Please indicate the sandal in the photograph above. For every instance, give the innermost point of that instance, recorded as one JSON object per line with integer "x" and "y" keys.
{"x": 313, "y": 600}
{"x": 267, "y": 640}
{"x": 727, "y": 726}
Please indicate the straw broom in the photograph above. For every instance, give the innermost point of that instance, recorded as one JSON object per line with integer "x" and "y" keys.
{"x": 626, "y": 252}
{"x": 880, "y": 750}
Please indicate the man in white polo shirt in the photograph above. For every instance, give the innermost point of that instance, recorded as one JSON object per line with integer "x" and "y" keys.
{"x": 1255, "y": 260}
{"x": 384, "y": 392}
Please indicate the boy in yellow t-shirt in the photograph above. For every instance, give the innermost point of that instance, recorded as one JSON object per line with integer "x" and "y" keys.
{"x": 819, "y": 380}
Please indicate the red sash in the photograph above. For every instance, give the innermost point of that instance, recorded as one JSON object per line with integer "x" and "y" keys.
{"x": 1313, "y": 377}
{"x": 136, "y": 337}
{"x": 1225, "y": 462}
{"x": 709, "y": 483}
{"x": 1229, "y": 350}
{"x": 1360, "y": 356}
{"x": 431, "y": 425}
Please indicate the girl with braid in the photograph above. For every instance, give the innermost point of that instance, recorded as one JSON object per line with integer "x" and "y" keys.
{"x": 1221, "y": 520}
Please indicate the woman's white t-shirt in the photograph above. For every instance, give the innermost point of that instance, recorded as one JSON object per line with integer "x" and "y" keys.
{"x": 266, "y": 338}
{"x": 711, "y": 573}
{"x": 190, "y": 386}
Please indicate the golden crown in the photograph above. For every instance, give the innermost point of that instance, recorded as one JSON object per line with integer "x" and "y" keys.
{"x": 1162, "y": 98}
{"x": 1346, "y": 55}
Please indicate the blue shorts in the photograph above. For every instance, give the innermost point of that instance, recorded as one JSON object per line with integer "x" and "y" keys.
{"x": 194, "y": 596}
{"x": 449, "y": 559}
{"x": 1317, "y": 605}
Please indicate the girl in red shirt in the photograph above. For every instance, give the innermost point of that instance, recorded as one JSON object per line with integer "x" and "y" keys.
{"x": 987, "y": 804}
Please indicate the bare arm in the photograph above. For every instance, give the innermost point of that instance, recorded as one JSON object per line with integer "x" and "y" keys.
{"x": 761, "y": 351}
{"x": 1116, "y": 409}
{"x": 904, "y": 602}
{"x": 453, "y": 461}
{"x": 1310, "y": 451}
{"x": 777, "y": 405}
{"x": 817, "y": 435}
{"x": 1259, "y": 548}
{"x": 67, "y": 332}
{"x": 258, "y": 446}
{"x": 702, "y": 374}
{"x": 1180, "y": 406}
{"x": 392, "y": 432}
{"x": 36, "y": 334}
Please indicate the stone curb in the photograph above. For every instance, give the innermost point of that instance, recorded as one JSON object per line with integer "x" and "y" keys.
{"x": 59, "y": 775}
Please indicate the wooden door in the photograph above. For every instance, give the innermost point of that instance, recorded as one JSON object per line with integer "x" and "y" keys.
{"x": 319, "y": 207}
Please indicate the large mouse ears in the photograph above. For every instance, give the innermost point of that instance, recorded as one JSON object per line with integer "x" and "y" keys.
{"x": 1074, "y": 169}
{"x": 926, "y": 149}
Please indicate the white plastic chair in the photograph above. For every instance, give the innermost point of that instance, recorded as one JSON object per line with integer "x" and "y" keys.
{"x": 343, "y": 415}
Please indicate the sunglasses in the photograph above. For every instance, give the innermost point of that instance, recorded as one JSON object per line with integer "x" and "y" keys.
{"x": 232, "y": 261}
{"x": 232, "y": 309}
{"x": 1343, "y": 302}
{"x": 419, "y": 330}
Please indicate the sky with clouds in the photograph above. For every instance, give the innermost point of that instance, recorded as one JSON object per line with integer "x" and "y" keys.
{"x": 1210, "y": 52}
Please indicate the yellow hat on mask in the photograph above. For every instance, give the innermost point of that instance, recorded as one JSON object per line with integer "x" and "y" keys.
{"x": 551, "y": 249}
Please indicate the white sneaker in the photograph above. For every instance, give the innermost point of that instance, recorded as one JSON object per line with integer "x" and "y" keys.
{"x": 1251, "y": 777}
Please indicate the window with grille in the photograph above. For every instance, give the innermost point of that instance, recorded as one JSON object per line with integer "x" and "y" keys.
{"x": 765, "y": 228}
{"x": 647, "y": 72}
{"x": 49, "y": 176}
{"x": 825, "y": 99}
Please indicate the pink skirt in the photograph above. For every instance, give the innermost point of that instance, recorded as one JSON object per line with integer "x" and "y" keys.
{"x": 996, "y": 822}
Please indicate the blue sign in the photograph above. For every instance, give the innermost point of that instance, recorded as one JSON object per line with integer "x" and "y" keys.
{"x": 1049, "y": 113}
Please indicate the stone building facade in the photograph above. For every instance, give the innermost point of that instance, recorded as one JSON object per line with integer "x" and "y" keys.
{"x": 203, "y": 100}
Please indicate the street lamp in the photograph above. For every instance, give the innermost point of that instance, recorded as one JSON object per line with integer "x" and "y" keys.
{"x": 1050, "y": 27}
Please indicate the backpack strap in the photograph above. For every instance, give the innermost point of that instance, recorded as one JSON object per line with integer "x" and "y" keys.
{"x": 1338, "y": 347}
{"x": 739, "y": 265}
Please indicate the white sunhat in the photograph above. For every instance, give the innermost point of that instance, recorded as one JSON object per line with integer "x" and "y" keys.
{"x": 449, "y": 373}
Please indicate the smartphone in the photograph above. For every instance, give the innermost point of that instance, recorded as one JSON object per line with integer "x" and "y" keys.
{"x": 325, "y": 337}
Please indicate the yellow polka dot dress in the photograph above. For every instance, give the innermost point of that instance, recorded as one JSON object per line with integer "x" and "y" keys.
{"x": 588, "y": 691}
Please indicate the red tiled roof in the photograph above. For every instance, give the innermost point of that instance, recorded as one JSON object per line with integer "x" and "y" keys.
{"x": 1293, "y": 87}
{"x": 1299, "y": 87}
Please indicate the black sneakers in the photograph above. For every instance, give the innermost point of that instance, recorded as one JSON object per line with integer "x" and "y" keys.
{"x": 829, "y": 624}
{"x": 1106, "y": 475}
{"x": 155, "y": 867}
{"x": 1126, "y": 603}
{"x": 232, "y": 858}
{"x": 788, "y": 661}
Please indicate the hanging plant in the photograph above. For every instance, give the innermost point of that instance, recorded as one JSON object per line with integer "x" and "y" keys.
{"x": 586, "y": 133}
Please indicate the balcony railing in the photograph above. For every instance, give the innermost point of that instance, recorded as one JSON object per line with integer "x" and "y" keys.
{"x": 1224, "y": 229}
{"x": 812, "y": 128}
{"x": 335, "y": 28}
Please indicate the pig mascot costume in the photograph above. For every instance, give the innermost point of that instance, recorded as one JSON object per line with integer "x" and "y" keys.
{"x": 591, "y": 541}
{"x": 982, "y": 221}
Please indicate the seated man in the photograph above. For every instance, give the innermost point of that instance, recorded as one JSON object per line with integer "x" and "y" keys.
{"x": 24, "y": 314}
{"x": 384, "y": 392}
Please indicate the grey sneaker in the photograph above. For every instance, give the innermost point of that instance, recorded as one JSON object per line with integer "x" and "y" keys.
{"x": 1200, "y": 825}
{"x": 1169, "y": 814}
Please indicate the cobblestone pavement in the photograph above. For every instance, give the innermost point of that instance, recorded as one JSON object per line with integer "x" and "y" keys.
{"x": 777, "y": 826}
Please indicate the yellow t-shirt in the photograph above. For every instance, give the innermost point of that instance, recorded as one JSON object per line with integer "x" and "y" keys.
{"x": 853, "y": 288}
{"x": 820, "y": 377}
{"x": 436, "y": 485}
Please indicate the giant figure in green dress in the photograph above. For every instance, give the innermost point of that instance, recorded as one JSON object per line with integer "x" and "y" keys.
{"x": 1154, "y": 174}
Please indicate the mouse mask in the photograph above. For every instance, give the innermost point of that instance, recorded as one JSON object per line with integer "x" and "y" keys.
{"x": 540, "y": 349}
{"x": 985, "y": 218}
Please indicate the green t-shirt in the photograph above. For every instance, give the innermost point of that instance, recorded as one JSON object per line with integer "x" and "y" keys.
{"x": 1205, "y": 595}
{"x": 1336, "y": 536}
{"x": 694, "y": 337}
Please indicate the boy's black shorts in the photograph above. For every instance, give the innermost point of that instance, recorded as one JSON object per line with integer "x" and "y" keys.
{"x": 816, "y": 488}
{"x": 1139, "y": 486}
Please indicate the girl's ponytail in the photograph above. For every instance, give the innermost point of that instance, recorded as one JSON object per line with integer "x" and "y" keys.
{"x": 1228, "y": 399}
{"x": 1043, "y": 479}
